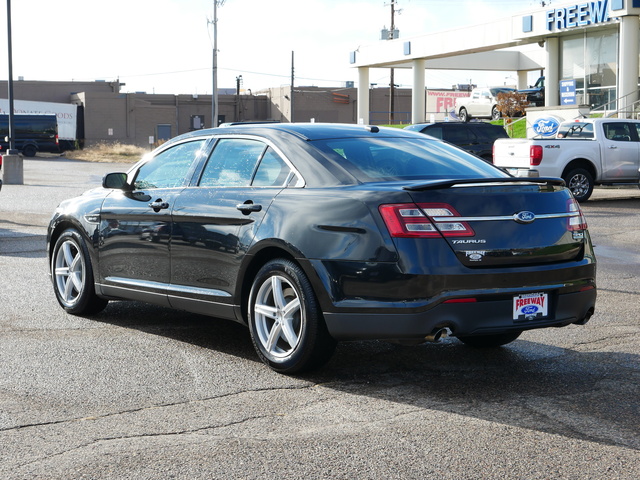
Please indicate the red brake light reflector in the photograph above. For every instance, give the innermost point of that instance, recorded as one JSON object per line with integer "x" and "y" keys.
{"x": 535, "y": 155}
{"x": 461, "y": 300}
{"x": 578, "y": 221}
{"x": 424, "y": 220}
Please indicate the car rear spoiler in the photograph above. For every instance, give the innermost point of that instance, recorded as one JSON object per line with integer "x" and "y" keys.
{"x": 437, "y": 184}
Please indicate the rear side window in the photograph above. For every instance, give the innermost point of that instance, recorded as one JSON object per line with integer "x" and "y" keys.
{"x": 491, "y": 134}
{"x": 385, "y": 159}
{"x": 272, "y": 171}
{"x": 232, "y": 163}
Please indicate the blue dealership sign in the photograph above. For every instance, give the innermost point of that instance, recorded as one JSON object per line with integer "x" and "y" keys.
{"x": 567, "y": 92}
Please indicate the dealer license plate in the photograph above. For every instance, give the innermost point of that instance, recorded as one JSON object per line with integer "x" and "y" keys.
{"x": 530, "y": 306}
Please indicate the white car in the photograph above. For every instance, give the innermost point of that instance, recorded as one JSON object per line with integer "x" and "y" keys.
{"x": 482, "y": 103}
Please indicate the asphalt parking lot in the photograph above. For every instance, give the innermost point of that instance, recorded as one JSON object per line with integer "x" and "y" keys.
{"x": 144, "y": 392}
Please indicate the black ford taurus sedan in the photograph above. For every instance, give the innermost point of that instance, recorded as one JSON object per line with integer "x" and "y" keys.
{"x": 310, "y": 234}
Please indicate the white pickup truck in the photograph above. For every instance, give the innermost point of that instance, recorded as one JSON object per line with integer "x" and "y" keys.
{"x": 585, "y": 153}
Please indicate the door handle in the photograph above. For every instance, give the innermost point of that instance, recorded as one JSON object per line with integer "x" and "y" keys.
{"x": 159, "y": 205}
{"x": 249, "y": 207}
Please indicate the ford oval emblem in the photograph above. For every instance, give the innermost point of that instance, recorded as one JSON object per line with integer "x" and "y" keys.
{"x": 546, "y": 126}
{"x": 524, "y": 217}
{"x": 530, "y": 310}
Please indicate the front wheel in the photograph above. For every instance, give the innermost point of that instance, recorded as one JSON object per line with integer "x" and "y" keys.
{"x": 286, "y": 324}
{"x": 495, "y": 113}
{"x": 72, "y": 275}
{"x": 464, "y": 116}
{"x": 490, "y": 341}
{"x": 580, "y": 182}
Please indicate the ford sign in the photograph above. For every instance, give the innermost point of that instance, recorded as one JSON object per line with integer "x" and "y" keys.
{"x": 546, "y": 127}
{"x": 524, "y": 217}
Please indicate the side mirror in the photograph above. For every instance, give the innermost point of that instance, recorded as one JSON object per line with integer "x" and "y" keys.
{"x": 116, "y": 181}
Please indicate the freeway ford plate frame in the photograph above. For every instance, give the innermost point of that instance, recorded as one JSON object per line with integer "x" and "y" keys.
{"x": 530, "y": 306}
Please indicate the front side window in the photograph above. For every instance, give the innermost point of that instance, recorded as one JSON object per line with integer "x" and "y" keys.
{"x": 169, "y": 168}
{"x": 618, "y": 132}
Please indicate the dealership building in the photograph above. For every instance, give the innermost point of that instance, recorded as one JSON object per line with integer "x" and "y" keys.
{"x": 590, "y": 48}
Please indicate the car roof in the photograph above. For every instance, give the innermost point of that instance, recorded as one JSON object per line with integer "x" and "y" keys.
{"x": 304, "y": 131}
{"x": 417, "y": 126}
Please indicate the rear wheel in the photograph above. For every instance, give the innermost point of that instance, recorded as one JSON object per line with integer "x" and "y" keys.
{"x": 464, "y": 116}
{"x": 286, "y": 324}
{"x": 72, "y": 275}
{"x": 495, "y": 113}
{"x": 490, "y": 341}
{"x": 29, "y": 151}
{"x": 580, "y": 182}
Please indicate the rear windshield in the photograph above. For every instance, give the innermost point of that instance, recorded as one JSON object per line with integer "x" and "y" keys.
{"x": 389, "y": 159}
{"x": 575, "y": 130}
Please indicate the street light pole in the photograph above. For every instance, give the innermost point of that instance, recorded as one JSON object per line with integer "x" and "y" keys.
{"x": 12, "y": 144}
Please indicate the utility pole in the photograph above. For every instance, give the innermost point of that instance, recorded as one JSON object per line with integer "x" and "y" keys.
{"x": 214, "y": 72}
{"x": 238, "y": 106}
{"x": 392, "y": 103}
{"x": 292, "y": 79}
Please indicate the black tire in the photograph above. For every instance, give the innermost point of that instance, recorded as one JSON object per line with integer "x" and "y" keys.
{"x": 464, "y": 115}
{"x": 72, "y": 275}
{"x": 29, "y": 151}
{"x": 490, "y": 341}
{"x": 495, "y": 113}
{"x": 580, "y": 182}
{"x": 287, "y": 328}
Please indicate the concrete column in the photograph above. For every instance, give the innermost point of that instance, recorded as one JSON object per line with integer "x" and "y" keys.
{"x": 628, "y": 64}
{"x": 12, "y": 170}
{"x": 363, "y": 95}
{"x": 523, "y": 77}
{"x": 418, "y": 93}
{"x": 552, "y": 72}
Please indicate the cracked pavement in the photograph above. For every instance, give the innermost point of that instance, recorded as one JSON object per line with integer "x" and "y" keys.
{"x": 142, "y": 392}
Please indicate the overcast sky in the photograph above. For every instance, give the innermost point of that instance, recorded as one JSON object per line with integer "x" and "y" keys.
{"x": 165, "y": 46}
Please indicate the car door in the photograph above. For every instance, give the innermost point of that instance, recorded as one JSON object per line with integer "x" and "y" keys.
{"x": 136, "y": 227}
{"x": 621, "y": 151}
{"x": 474, "y": 105}
{"x": 215, "y": 222}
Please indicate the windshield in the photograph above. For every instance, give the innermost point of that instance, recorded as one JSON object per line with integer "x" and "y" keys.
{"x": 393, "y": 159}
{"x": 496, "y": 91}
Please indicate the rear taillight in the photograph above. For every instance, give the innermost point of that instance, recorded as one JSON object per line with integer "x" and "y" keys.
{"x": 57, "y": 139}
{"x": 535, "y": 155}
{"x": 577, "y": 221}
{"x": 424, "y": 220}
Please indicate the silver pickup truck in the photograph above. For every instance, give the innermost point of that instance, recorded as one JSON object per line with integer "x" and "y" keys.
{"x": 585, "y": 153}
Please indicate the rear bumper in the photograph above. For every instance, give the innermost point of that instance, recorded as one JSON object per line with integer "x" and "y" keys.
{"x": 487, "y": 316}
{"x": 522, "y": 172}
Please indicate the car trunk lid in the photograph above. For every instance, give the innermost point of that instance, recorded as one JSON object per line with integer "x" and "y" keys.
{"x": 499, "y": 222}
